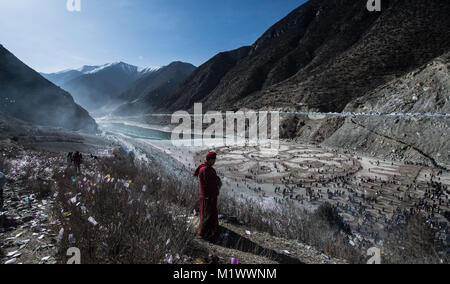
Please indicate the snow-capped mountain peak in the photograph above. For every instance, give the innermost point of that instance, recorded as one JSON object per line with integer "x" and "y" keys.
{"x": 146, "y": 70}
{"x": 127, "y": 68}
{"x": 86, "y": 68}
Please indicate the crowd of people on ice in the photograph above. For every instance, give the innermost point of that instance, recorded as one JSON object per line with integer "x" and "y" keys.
{"x": 375, "y": 204}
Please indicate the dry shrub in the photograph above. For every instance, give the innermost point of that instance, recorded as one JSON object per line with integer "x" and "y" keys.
{"x": 327, "y": 231}
{"x": 119, "y": 166}
{"x": 163, "y": 186}
{"x": 324, "y": 230}
{"x": 4, "y": 165}
{"x": 328, "y": 216}
{"x": 133, "y": 226}
{"x": 42, "y": 189}
{"x": 415, "y": 244}
{"x": 250, "y": 213}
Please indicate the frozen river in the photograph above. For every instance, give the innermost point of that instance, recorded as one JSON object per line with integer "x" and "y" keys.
{"x": 150, "y": 143}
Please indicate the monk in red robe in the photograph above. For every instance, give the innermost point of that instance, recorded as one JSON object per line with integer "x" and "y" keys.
{"x": 210, "y": 184}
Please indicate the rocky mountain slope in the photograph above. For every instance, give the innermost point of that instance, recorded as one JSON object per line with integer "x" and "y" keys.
{"x": 26, "y": 95}
{"x": 103, "y": 85}
{"x": 170, "y": 74}
{"x": 321, "y": 56}
{"x": 425, "y": 92}
{"x": 326, "y": 56}
{"x": 202, "y": 81}
{"x": 153, "y": 87}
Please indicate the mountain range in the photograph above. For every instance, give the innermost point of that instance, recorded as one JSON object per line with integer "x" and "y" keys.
{"x": 26, "y": 95}
{"x": 65, "y": 76}
{"x": 95, "y": 87}
{"x": 153, "y": 87}
{"x": 320, "y": 57}
{"x": 101, "y": 88}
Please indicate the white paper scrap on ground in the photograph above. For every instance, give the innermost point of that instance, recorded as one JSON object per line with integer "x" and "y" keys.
{"x": 12, "y": 253}
{"x": 92, "y": 221}
{"x": 11, "y": 261}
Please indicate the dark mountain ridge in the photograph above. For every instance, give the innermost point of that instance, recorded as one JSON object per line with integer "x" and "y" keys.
{"x": 153, "y": 87}
{"x": 97, "y": 89}
{"x": 26, "y": 95}
{"x": 320, "y": 57}
{"x": 171, "y": 74}
{"x": 330, "y": 56}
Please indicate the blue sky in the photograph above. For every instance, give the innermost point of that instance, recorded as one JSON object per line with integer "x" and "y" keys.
{"x": 49, "y": 38}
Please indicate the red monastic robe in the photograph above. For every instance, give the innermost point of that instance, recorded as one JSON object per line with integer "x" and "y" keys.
{"x": 209, "y": 191}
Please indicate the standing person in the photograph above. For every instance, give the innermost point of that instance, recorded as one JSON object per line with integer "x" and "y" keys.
{"x": 69, "y": 159}
{"x": 2, "y": 183}
{"x": 78, "y": 160}
{"x": 210, "y": 184}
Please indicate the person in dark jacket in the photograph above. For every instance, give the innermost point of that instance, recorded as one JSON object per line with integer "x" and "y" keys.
{"x": 69, "y": 159}
{"x": 210, "y": 185}
{"x": 77, "y": 160}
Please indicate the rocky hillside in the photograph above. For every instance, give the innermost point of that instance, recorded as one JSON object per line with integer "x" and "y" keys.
{"x": 424, "y": 91}
{"x": 26, "y": 95}
{"x": 153, "y": 88}
{"x": 202, "y": 81}
{"x": 170, "y": 74}
{"x": 334, "y": 56}
{"x": 321, "y": 56}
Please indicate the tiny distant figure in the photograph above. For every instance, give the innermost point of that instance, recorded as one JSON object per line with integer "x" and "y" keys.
{"x": 78, "y": 160}
{"x": 210, "y": 185}
{"x": 2, "y": 183}
{"x": 94, "y": 157}
{"x": 69, "y": 159}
